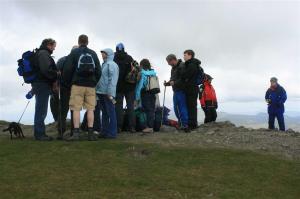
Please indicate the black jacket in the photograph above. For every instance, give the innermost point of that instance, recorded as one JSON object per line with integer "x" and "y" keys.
{"x": 69, "y": 74}
{"x": 124, "y": 62}
{"x": 176, "y": 76}
{"x": 190, "y": 74}
{"x": 47, "y": 71}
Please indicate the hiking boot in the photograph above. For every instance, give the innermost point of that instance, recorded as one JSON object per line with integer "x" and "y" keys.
{"x": 101, "y": 136}
{"x": 132, "y": 130}
{"x": 148, "y": 130}
{"x": 75, "y": 136}
{"x": 186, "y": 129}
{"x": 91, "y": 135}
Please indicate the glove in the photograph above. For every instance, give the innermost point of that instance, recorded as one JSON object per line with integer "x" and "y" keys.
{"x": 216, "y": 106}
{"x": 167, "y": 84}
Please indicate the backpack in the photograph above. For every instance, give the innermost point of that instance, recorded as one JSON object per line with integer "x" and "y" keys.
{"x": 200, "y": 76}
{"x": 153, "y": 85}
{"x": 141, "y": 119}
{"x": 28, "y": 66}
{"x": 86, "y": 65}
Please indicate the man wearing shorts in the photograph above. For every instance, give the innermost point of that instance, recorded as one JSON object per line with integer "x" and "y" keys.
{"x": 84, "y": 67}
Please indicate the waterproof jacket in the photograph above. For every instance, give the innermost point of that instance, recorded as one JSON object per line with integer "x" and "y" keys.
{"x": 190, "y": 75}
{"x": 276, "y": 97}
{"x": 47, "y": 71}
{"x": 110, "y": 74}
{"x": 143, "y": 82}
{"x": 124, "y": 62}
{"x": 176, "y": 76}
{"x": 209, "y": 97}
{"x": 70, "y": 75}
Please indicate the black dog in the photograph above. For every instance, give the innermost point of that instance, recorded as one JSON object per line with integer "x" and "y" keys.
{"x": 14, "y": 128}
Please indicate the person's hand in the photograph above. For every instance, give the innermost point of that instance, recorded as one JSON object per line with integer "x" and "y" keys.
{"x": 167, "y": 83}
{"x": 268, "y": 101}
{"x": 172, "y": 83}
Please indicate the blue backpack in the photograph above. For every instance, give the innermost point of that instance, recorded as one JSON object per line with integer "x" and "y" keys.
{"x": 27, "y": 66}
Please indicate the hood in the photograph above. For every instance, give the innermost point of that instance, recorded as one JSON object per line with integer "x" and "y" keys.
{"x": 110, "y": 54}
{"x": 148, "y": 72}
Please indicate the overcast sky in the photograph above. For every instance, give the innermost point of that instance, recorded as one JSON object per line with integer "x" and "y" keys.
{"x": 240, "y": 43}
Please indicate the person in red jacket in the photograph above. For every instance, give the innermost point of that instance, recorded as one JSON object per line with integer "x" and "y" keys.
{"x": 209, "y": 101}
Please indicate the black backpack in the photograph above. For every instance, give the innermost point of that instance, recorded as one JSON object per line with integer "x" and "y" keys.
{"x": 86, "y": 65}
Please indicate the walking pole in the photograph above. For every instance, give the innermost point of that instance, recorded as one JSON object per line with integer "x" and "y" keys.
{"x": 163, "y": 109}
{"x": 23, "y": 111}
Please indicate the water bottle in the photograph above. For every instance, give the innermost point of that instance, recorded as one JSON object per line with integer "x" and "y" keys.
{"x": 29, "y": 95}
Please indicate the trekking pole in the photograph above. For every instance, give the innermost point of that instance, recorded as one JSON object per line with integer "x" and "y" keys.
{"x": 23, "y": 111}
{"x": 163, "y": 109}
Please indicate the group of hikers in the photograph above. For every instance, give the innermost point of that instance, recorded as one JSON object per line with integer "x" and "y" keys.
{"x": 78, "y": 81}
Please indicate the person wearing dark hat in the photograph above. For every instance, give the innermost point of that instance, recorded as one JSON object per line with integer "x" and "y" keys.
{"x": 275, "y": 98}
{"x": 179, "y": 98}
{"x": 125, "y": 89}
{"x": 209, "y": 101}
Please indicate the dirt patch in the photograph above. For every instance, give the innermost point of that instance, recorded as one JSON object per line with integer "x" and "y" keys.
{"x": 226, "y": 135}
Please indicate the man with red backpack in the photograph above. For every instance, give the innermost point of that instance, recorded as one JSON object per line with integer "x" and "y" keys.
{"x": 209, "y": 101}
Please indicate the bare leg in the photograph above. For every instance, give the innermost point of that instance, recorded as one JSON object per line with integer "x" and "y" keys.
{"x": 90, "y": 118}
{"x": 76, "y": 119}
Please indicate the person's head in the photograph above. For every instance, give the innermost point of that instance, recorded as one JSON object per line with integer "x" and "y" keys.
{"x": 274, "y": 82}
{"x": 83, "y": 40}
{"x": 145, "y": 64}
{"x": 104, "y": 55}
{"x": 188, "y": 54}
{"x": 209, "y": 78}
{"x": 172, "y": 60}
{"x": 49, "y": 44}
{"x": 120, "y": 47}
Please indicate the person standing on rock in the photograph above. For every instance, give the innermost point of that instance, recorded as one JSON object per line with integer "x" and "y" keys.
{"x": 84, "y": 68}
{"x": 125, "y": 88}
{"x": 276, "y": 97}
{"x": 209, "y": 101}
{"x": 179, "y": 98}
{"x": 106, "y": 92}
{"x": 190, "y": 76}
{"x": 45, "y": 82}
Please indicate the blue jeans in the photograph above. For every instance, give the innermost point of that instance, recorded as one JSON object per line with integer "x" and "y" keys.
{"x": 42, "y": 92}
{"x": 180, "y": 109}
{"x": 148, "y": 104}
{"x": 280, "y": 120}
{"x": 97, "y": 118}
{"x": 109, "y": 118}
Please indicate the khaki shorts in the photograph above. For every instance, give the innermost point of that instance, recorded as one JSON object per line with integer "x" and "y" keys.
{"x": 82, "y": 96}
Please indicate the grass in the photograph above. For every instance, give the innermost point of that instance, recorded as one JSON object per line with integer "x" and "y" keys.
{"x": 113, "y": 169}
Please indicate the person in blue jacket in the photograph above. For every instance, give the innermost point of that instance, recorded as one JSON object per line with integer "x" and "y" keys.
{"x": 106, "y": 92}
{"x": 276, "y": 97}
{"x": 146, "y": 98}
